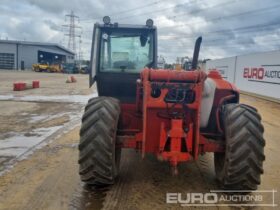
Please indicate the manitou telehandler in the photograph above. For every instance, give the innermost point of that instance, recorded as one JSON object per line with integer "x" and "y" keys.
{"x": 176, "y": 115}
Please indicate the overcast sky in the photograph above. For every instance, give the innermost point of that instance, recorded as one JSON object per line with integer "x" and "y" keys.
{"x": 228, "y": 27}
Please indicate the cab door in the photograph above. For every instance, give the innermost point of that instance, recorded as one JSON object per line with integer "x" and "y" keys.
{"x": 94, "y": 54}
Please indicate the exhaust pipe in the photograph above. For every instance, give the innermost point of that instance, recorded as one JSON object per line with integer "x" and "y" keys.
{"x": 196, "y": 52}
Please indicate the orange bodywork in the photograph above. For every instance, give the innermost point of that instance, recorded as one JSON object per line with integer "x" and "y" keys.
{"x": 170, "y": 129}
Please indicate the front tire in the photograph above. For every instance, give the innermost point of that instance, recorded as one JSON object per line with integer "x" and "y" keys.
{"x": 241, "y": 166}
{"x": 99, "y": 157}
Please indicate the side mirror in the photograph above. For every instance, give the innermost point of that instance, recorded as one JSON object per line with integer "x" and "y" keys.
{"x": 143, "y": 40}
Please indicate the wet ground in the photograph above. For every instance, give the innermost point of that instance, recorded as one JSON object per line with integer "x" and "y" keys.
{"x": 29, "y": 126}
{"x": 30, "y": 118}
{"x": 47, "y": 177}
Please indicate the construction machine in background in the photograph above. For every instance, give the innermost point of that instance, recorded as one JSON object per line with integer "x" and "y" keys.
{"x": 176, "y": 115}
{"x": 46, "y": 67}
{"x": 40, "y": 67}
{"x": 84, "y": 69}
{"x": 70, "y": 68}
{"x": 55, "y": 68}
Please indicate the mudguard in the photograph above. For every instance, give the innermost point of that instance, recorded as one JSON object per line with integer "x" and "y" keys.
{"x": 207, "y": 101}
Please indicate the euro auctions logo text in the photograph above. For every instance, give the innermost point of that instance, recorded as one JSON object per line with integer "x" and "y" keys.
{"x": 265, "y": 74}
{"x": 192, "y": 198}
{"x": 224, "y": 198}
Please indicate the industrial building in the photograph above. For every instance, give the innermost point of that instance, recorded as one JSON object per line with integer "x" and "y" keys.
{"x": 22, "y": 54}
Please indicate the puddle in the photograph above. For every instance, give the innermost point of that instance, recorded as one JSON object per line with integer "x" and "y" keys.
{"x": 55, "y": 98}
{"x": 37, "y": 118}
{"x": 40, "y": 118}
{"x": 17, "y": 144}
{"x": 6, "y": 97}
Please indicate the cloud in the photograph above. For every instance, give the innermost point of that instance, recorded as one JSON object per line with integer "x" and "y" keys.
{"x": 228, "y": 27}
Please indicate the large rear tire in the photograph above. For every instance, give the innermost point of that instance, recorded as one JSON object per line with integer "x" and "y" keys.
{"x": 99, "y": 157}
{"x": 241, "y": 166}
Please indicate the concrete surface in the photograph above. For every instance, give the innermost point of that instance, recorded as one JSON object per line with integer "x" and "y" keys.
{"x": 29, "y": 117}
{"x": 51, "y": 83}
{"x": 48, "y": 178}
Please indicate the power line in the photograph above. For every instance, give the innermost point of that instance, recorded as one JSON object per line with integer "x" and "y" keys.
{"x": 212, "y": 7}
{"x": 225, "y": 47}
{"x": 182, "y": 40}
{"x": 250, "y": 12}
{"x": 191, "y": 12}
{"x": 253, "y": 47}
{"x": 160, "y": 10}
{"x": 72, "y": 30}
{"x": 226, "y": 30}
{"x": 246, "y": 29}
{"x": 251, "y": 28}
{"x": 224, "y": 44}
{"x": 221, "y": 18}
{"x": 150, "y": 12}
{"x": 126, "y": 11}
